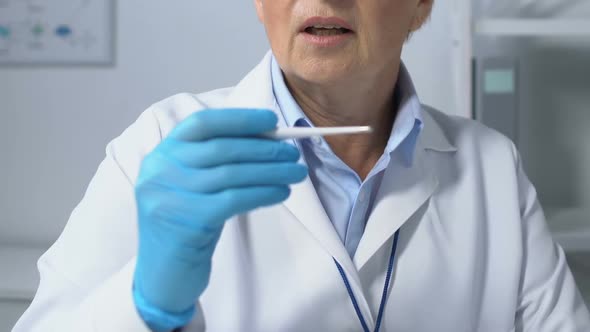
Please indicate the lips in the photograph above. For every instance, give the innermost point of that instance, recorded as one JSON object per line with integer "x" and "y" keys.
{"x": 321, "y": 31}
{"x": 326, "y": 26}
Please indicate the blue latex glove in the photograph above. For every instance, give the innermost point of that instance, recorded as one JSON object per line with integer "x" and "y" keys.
{"x": 211, "y": 167}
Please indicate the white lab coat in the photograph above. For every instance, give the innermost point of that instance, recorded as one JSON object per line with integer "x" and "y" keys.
{"x": 474, "y": 252}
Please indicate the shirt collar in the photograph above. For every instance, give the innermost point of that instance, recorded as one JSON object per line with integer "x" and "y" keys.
{"x": 406, "y": 127}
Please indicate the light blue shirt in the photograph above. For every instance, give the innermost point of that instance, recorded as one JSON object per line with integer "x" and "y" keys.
{"x": 347, "y": 199}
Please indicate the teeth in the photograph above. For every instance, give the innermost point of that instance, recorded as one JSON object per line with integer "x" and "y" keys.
{"x": 327, "y": 26}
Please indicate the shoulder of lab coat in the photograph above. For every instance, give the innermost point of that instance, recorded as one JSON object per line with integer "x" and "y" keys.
{"x": 548, "y": 298}
{"x": 86, "y": 276}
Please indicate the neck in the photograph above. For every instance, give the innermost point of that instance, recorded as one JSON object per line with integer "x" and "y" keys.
{"x": 360, "y": 102}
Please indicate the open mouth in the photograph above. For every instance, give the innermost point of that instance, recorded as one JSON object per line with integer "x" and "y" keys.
{"x": 326, "y": 30}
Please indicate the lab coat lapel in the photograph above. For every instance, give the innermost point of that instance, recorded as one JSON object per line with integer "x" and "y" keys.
{"x": 305, "y": 205}
{"x": 404, "y": 189}
{"x": 402, "y": 192}
{"x": 255, "y": 91}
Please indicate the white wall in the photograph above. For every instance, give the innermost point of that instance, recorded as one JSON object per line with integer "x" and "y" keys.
{"x": 57, "y": 121}
{"x": 438, "y": 58}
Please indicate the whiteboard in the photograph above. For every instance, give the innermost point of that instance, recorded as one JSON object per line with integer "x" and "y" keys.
{"x": 56, "y": 32}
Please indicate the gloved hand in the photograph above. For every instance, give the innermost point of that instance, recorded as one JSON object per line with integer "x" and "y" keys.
{"x": 211, "y": 167}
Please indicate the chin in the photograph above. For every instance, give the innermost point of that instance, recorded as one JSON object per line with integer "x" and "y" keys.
{"x": 324, "y": 70}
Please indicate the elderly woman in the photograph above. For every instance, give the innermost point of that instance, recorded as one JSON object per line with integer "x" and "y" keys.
{"x": 197, "y": 220}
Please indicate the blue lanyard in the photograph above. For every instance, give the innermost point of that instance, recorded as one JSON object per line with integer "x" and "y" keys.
{"x": 385, "y": 289}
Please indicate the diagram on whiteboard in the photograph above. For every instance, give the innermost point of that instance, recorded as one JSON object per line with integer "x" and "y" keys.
{"x": 56, "y": 31}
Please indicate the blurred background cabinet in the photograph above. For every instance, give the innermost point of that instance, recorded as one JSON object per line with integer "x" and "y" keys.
{"x": 531, "y": 81}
